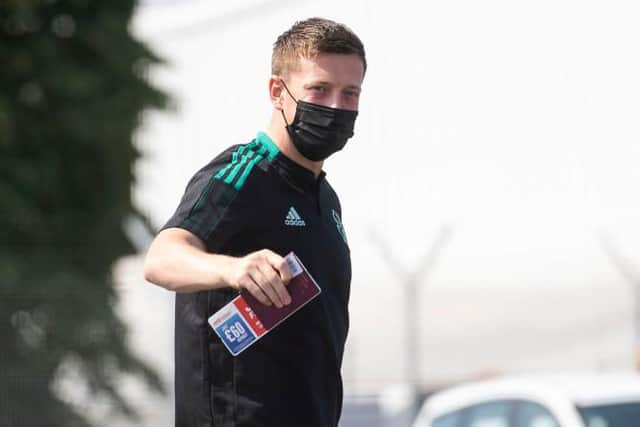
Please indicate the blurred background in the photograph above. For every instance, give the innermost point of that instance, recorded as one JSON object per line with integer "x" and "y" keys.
{"x": 490, "y": 193}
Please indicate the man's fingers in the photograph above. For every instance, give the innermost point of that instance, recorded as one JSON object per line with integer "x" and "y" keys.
{"x": 254, "y": 289}
{"x": 265, "y": 285}
{"x": 280, "y": 265}
{"x": 265, "y": 275}
{"x": 276, "y": 283}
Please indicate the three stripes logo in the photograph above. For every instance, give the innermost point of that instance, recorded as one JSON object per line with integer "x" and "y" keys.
{"x": 293, "y": 218}
{"x": 244, "y": 159}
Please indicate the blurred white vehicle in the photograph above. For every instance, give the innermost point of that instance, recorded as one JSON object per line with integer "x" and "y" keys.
{"x": 590, "y": 400}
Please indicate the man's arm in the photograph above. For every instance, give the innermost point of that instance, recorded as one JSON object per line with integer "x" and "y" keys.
{"x": 178, "y": 260}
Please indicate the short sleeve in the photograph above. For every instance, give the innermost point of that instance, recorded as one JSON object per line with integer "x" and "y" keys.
{"x": 206, "y": 208}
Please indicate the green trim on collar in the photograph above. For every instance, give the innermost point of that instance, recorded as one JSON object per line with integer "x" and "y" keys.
{"x": 267, "y": 142}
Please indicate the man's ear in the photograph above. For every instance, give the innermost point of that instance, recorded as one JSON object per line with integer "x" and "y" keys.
{"x": 276, "y": 92}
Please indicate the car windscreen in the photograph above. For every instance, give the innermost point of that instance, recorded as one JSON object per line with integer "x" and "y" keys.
{"x": 614, "y": 415}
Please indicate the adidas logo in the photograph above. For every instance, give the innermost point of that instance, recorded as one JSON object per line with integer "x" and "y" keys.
{"x": 293, "y": 218}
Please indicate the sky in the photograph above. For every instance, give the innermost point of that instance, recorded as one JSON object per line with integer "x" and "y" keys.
{"x": 513, "y": 125}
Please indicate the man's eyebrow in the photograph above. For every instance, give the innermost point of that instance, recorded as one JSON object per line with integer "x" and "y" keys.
{"x": 326, "y": 83}
{"x": 317, "y": 82}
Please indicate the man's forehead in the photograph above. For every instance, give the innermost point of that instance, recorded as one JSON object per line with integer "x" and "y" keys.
{"x": 329, "y": 68}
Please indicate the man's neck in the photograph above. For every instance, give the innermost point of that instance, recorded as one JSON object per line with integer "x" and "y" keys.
{"x": 279, "y": 135}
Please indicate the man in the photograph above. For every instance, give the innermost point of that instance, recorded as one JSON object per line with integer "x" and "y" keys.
{"x": 239, "y": 216}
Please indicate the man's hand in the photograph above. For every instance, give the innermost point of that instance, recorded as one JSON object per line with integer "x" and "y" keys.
{"x": 177, "y": 260}
{"x": 264, "y": 274}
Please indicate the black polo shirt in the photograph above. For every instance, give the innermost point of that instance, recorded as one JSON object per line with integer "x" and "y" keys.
{"x": 252, "y": 197}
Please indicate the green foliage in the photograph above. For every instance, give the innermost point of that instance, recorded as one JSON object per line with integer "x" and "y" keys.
{"x": 72, "y": 93}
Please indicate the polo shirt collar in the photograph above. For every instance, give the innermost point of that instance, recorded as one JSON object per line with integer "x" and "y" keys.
{"x": 299, "y": 176}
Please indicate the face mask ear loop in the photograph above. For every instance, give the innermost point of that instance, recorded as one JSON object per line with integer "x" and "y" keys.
{"x": 284, "y": 118}
{"x": 292, "y": 97}
{"x": 287, "y": 89}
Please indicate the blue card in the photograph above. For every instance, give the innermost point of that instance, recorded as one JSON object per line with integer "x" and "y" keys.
{"x": 235, "y": 333}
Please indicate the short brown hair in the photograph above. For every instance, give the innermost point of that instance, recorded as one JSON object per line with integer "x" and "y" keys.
{"x": 308, "y": 38}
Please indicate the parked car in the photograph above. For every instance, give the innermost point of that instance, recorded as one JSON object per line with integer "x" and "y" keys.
{"x": 572, "y": 400}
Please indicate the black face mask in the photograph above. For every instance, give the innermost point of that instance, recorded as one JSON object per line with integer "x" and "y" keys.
{"x": 318, "y": 131}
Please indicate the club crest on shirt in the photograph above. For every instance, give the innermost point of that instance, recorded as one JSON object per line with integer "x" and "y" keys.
{"x": 339, "y": 226}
